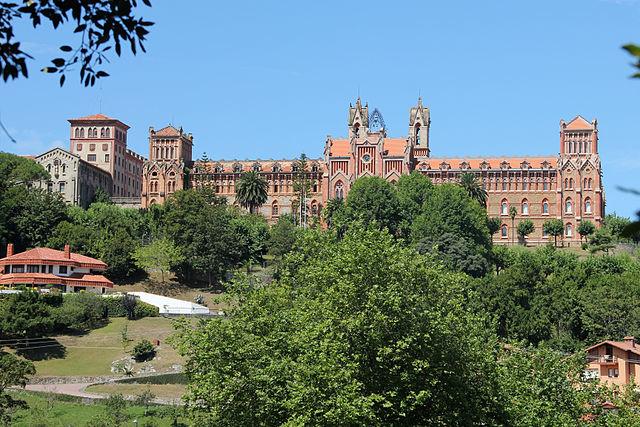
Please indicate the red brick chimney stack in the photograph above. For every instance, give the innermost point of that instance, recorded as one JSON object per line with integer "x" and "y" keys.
{"x": 630, "y": 340}
{"x": 67, "y": 251}
{"x": 9, "y": 249}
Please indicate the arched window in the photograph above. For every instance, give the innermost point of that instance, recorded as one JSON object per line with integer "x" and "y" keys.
{"x": 570, "y": 182}
{"x": 525, "y": 207}
{"x": 356, "y": 130}
{"x": 545, "y": 207}
{"x": 417, "y": 134}
{"x": 568, "y": 206}
{"x": 590, "y": 183}
{"x": 275, "y": 186}
{"x": 108, "y": 133}
{"x": 566, "y": 183}
{"x": 314, "y": 168}
{"x": 584, "y": 183}
{"x": 257, "y": 167}
{"x": 504, "y": 231}
{"x": 102, "y": 133}
{"x": 587, "y": 206}
{"x": 339, "y": 190}
{"x": 274, "y": 209}
{"x": 314, "y": 208}
{"x": 49, "y": 168}
{"x": 504, "y": 207}
{"x": 77, "y": 132}
{"x": 568, "y": 230}
{"x": 81, "y": 132}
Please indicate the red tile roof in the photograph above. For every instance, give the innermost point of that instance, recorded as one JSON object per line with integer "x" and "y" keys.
{"x": 395, "y": 146}
{"x": 52, "y": 256}
{"x": 622, "y": 345}
{"x": 340, "y": 148}
{"x": 493, "y": 163}
{"x": 168, "y": 131}
{"x": 94, "y": 117}
{"x": 579, "y": 123}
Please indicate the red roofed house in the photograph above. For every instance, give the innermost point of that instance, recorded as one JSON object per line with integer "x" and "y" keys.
{"x": 565, "y": 186}
{"x": 64, "y": 270}
{"x": 614, "y": 362}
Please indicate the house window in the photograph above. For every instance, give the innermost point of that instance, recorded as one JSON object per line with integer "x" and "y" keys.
{"x": 274, "y": 209}
{"x": 17, "y": 268}
{"x": 106, "y": 158}
{"x": 568, "y": 206}
{"x": 33, "y": 268}
{"x": 91, "y": 157}
{"x": 525, "y": 185}
{"x": 43, "y": 268}
{"x": 61, "y": 187}
{"x": 545, "y": 207}
{"x": 504, "y": 231}
{"x": 545, "y": 186}
{"x": 613, "y": 372}
{"x": 587, "y": 206}
{"x": 504, "y": 208}
{"x": 62, "y": 269}
{"x": 569, "y": 230}
{"x": 339, "y": 190}
{"x": 525, "y": 207}
{"x": 50, "y": 269}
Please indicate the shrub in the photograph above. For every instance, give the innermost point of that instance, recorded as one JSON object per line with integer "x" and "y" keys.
{"x": 115, "y": 308}
{"x": 143, "y": 351}
{"x": 81, "y": 311}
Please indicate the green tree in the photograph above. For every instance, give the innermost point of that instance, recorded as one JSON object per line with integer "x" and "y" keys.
{"x": 282, "y": 236}
{"x": 301, "y": 188}
{"x": 251, "y": 191}
{"x": 358, "y": 331}
{"x": 513, "y": 212}
{"x": 101, "y": 196}
{"x": 601, "y": 241}
{"x": 373, "y": 200}
{"x": 555, "y": 228}
{"x": 474, "y": 189}
{"x": 525, "y": 227}
{"x": 457, "y": 253}
{"x": 586, "y": 229}
{"x": 13, "y": 372}
{"x": 252, "y": 234}
{"x": 143, "y": 351}
{"x": 493, "y": 224}
{"x": 159, "y": 255}
{"x": 102, "y": 26}
{"x": 615, "y": 225}
{"x": 25, "y": 314}
{"x": 413, "y": 191}
{"x": 145, "y": 399}
{"x": 81, "y": 312}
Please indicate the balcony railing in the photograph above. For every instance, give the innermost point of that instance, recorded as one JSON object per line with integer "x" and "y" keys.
{"x": 602, "y": 359}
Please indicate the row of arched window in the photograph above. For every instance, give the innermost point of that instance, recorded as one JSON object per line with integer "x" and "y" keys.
{"x": 153, "y": 186}
{"x": 105, "y": 132}
{"x": 587, "y": 183}
{"x": 544, "y": 206}
{"x": 568, "y": 231}
{"x": 275, "y": 208}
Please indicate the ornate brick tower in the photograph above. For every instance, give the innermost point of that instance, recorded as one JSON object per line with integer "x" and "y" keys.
{"x": 580, "y": 196}
{"x": 170, "y": 152}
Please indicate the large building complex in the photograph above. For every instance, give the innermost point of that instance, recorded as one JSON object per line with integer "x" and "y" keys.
{"x": 566, "y": 186}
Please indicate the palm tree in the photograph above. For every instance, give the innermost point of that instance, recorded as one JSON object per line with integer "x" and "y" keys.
{"x": 473, "y": 188}
{"x": 251, "y": 191}
{"x": 512, "y": 213}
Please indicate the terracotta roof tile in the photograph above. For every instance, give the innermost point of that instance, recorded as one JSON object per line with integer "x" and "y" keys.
{"x": 579, "y": 123}
{"x": 168, "y": 131}
{"x": 94, "y": 117}
{"x": 395, "y": 146}
{"x": 52, "y": 255}
{"x": 623, "y": 345}
{"x": 52, "y": 279}
{"x": 340, "y": 148}
{"x": 494, "y": 163}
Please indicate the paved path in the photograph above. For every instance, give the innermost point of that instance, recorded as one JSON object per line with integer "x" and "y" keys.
{"x": 76, "y": 389}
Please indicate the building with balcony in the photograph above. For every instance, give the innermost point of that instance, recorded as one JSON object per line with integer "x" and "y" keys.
{"x": 50, "y": 268}
{"x": 614, "y": 362}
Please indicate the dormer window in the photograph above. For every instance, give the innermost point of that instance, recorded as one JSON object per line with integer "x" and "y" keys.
{"x": 314, "y": 168}
{"x": 256, "y": 167}
{"x": 237, "y": 168}
{"x": 275, "y": 168}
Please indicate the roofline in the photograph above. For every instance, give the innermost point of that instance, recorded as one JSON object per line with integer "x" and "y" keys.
{"x": 85, "y": 120}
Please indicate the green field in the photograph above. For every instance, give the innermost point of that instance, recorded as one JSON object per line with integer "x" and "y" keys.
{"x": 55, "y": 410}
{"x": 91, "y": 354}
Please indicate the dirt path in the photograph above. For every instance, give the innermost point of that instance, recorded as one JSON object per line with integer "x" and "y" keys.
{"x": 75, "y": 389}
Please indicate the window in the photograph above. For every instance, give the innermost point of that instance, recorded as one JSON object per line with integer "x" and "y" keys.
{"x": 417, "y": 134}
{"x": 91, "y": 157}
{"x": 62, "y": 269}
{"x": 587, "y": 206}
{"x": 613, "y": 372}
{"x": 314, "y": 209}
{"x": 568, "y": 206}
{"x": 525, "y": 207}
{"x": 43, "y": 269}
{"x": 584, "y": 183}
{"x": 33, "y": 268}
{"x": 275, "y": 187}
{"x": 589, "y": 183}
{"x": 17, "y": 268}
{"x": 566, "y": 183}
{"x": 544, "y": 232}
{"x": 545, "y": 207}
{"x": 79, "y": 147}
{"x": 102, "y": 133}
{"x": 570, "y": 182}
{"x": 49, "y": 187}
{"x": 525, "y": 185}
{"x": 504, "y": 208}
{"x": 545, "y": 186}
{"x": 568, "y": 230}
{"x": 339, "y": 190}
{"x": 504, "y": 231}
{"x": 82, "y": 133}
{"x": 50, "y": 269}
{"x": 108, "y": 133}
{"x": 504, "y": 185}
{"x": 77, "y": 133}
{"x": 274, "y": 209}
{"x": 106, "y": 158}
{"x": 61, "y": 187}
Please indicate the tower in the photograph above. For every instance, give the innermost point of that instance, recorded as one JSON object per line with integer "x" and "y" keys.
{"x": 358, "y": 120}
{"x": 419, "y": 123}
{"x": 579, "y": 188}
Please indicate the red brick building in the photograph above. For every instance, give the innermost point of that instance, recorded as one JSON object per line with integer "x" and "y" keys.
{"x": 43, "y": 267}
{"x": 566, "y": 186}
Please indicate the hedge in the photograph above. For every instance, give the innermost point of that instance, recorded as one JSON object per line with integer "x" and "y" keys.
{"x": 115, "y": 308}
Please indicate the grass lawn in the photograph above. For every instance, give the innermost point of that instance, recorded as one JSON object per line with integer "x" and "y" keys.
{"x": 55, "y": 410}
{"x": 163, "y": 391}
{"x": 92, "y": 354}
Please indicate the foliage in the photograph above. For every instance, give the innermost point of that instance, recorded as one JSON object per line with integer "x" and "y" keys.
{"x": 457, "y": 253}
{"x": 116, "y": 308}
{"x": 159, "y": 255}
{"x": 634, "y": 50}
{"x": 555, "y": 228}
{"x": 301, "y": 188}
{"x": 143, "y": 351}
{"x": 145, "y": 399}
{"x": 282, "y": 236}
{"x": 101, "y": 196}
{"x": 413, "y": 192}
{"x": 13, "y": 372}
{"x": 357, "y": 331}
{"x": 586, "y": 229}
{"x": 81, "y": 311}
{"x": 115, "y": 406}
{"x": 493, "y": 224}
{"x": 251, "y": 191}
{"x": 25, "y": 314}
{"x": 615, "y": 225}
{"x": 373, "y": 200}
{"x": 102, "y": 25}
{"x": 525, "y": 227}
{"x": 252, "y": 233}
{"x": 601, "y": 241}
{"x": 474, "y": 189}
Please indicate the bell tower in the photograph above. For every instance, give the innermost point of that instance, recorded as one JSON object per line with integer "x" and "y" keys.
{"x": 358, "y": 120}
{"x": 419, "y": 123}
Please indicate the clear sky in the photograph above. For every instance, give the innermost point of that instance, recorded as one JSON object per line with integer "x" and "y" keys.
{"x": 271, "y": 79}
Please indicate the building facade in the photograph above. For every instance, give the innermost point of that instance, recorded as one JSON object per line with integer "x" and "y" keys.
{"x": 75, "y": 179}
{"x": 44, "y": 267}
{"x": 565, "y": 186}
{"x": 614, "y": 362}
{"x": 102, "y": 141}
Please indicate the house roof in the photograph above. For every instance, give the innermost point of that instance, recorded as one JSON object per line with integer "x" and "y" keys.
{"x": 75, "y": 279}
{"x": 286, "y": 166}
{"x": 492, "y": 163}
{"x": 97, "y": 118}
{"x": 394, "y": 146}
{"x": 339, "y": 148}
{"x": 622, "y": 345}
{"x": 51, "y": 256}
{"x": 168, "y": 131}
{"x": 579, "y": 123}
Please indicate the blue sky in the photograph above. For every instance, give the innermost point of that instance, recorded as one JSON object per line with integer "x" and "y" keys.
{"x": 272, "y": 79}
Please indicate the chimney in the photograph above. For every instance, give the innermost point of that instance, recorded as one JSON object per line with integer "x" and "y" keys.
{"x": 67, "y": 251}
{"x": 9, "y": 249}
{"x": 631, "y": 341}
